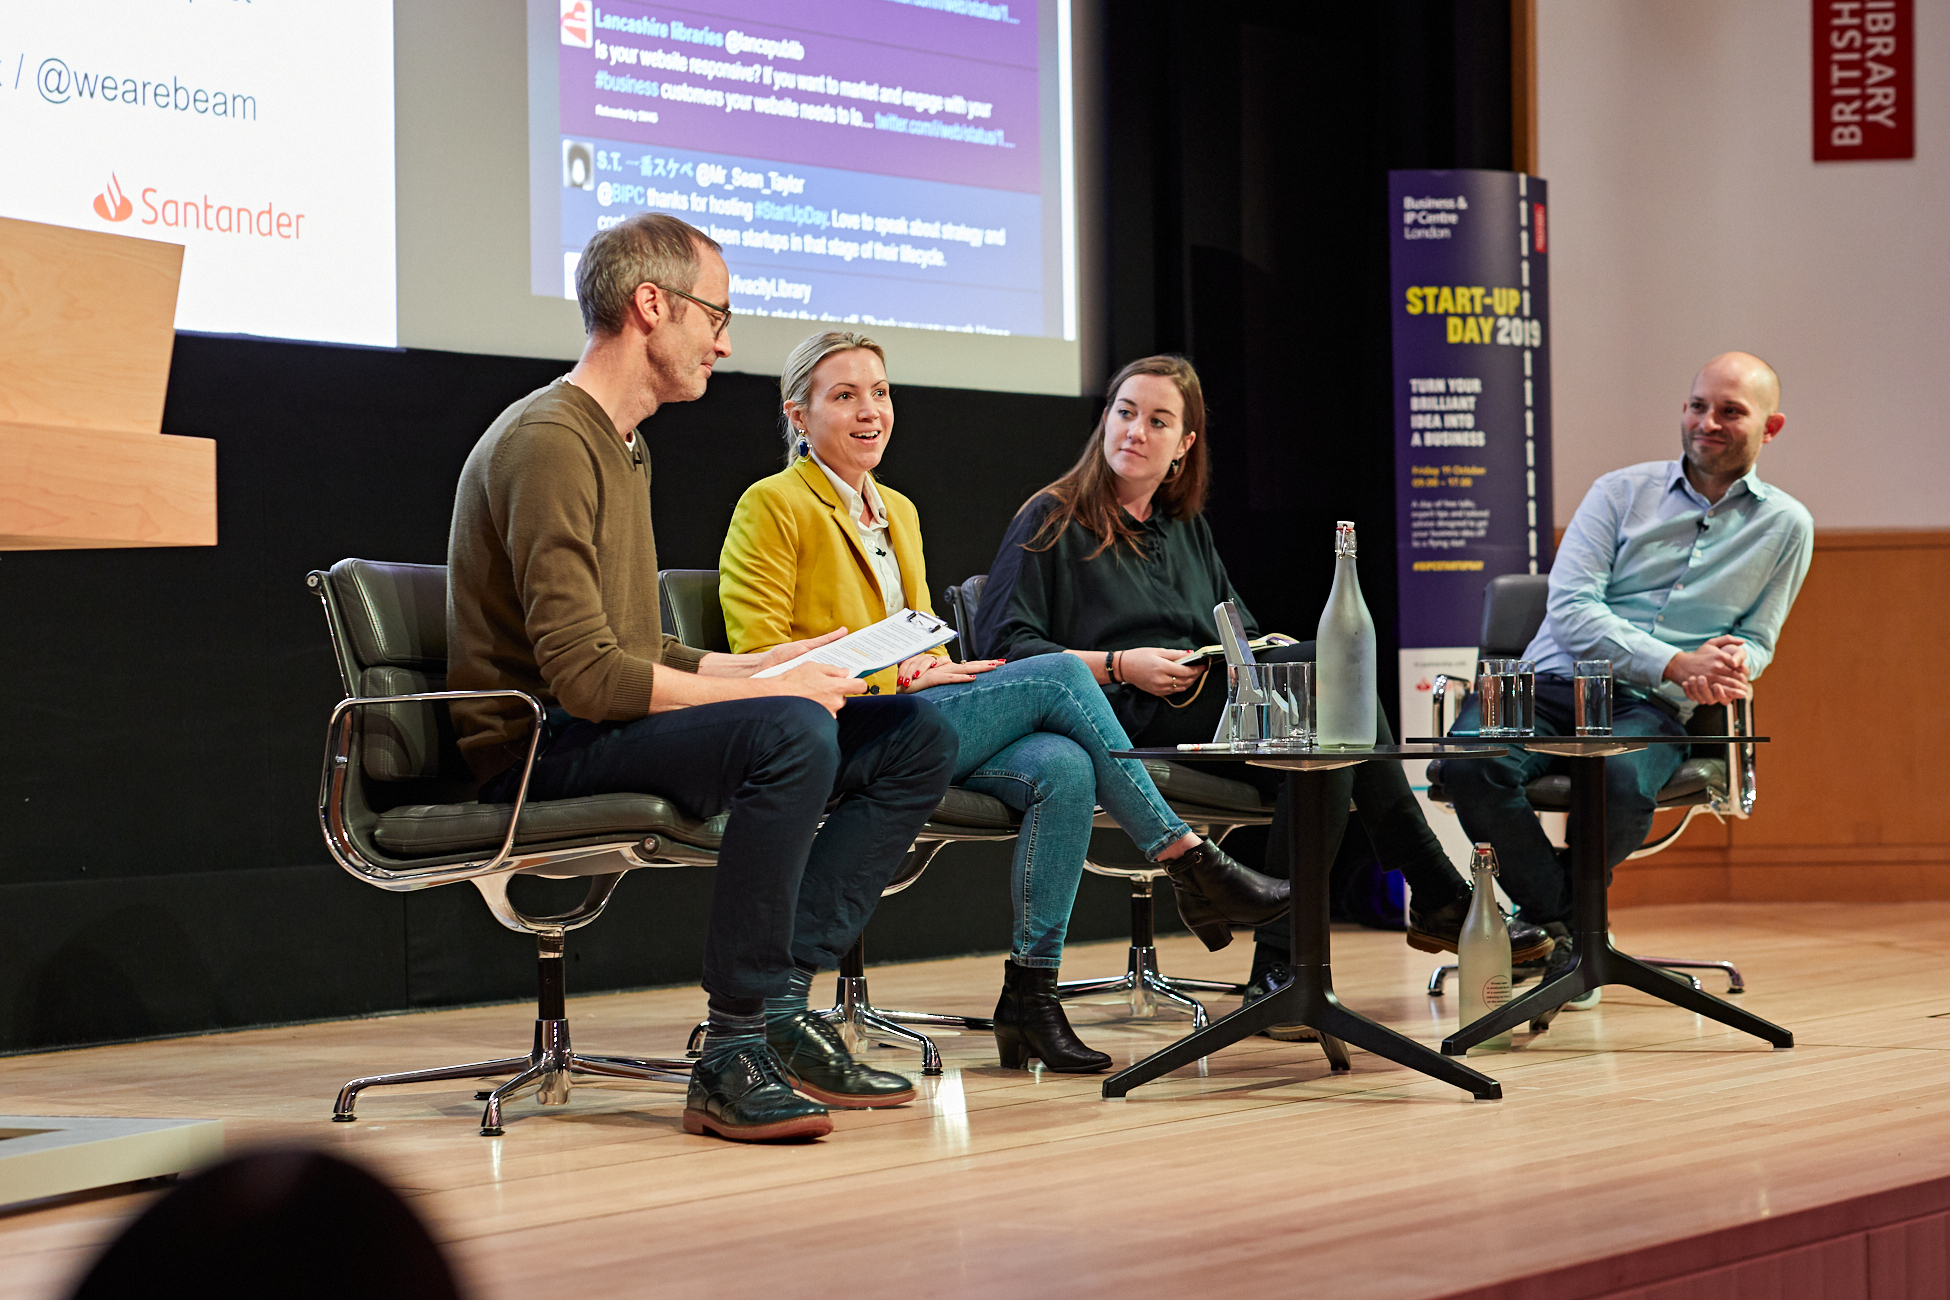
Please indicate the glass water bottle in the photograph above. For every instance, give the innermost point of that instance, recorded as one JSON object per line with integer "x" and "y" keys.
{"x": 1344, "y": 666}
{"x": 1483, "y": 954}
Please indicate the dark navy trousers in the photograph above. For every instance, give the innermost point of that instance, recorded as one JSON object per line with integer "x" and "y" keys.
{"x": 788, "y": 890}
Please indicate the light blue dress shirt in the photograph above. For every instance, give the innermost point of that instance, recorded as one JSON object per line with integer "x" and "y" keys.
{"x": 1649, "y": 567}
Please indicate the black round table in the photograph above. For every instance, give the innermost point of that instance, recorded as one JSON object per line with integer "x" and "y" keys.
{"x": 1597, "y": 962}
{"x": 1309, "y": 998}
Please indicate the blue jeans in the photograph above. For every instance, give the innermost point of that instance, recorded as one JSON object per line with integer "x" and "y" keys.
{"x": 788, "y": 890}
{"x": 1488, "y": 794}
{"x": 1037, "y": 734}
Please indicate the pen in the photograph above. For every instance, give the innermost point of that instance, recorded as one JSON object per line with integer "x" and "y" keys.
{"x": 1186, "y": 749}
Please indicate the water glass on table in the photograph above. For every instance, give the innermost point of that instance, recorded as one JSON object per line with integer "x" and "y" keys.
{"x": 1253, "y": 716}
{"x": 1526, "y": 687}
{"x": 1496, "y": 704}
{"x": 1591, "y": 697}
{"x": 1293, "y": 687}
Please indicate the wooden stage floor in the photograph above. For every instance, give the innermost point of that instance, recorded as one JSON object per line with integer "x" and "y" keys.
{"x": 1623, "y": 1131}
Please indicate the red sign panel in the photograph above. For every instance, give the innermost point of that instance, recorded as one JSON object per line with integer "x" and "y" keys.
{"x": 1864, "y": 82}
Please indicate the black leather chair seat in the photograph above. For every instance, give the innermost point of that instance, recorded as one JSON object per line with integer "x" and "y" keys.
{"x": 968, "y": 810}
{"x": 1694, "y": 783}
{"x": 419, "y": 829}
{"x": 1183, "y": 784}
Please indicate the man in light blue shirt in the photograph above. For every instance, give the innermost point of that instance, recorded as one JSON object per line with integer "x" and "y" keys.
{"x": 1679, "y": 572}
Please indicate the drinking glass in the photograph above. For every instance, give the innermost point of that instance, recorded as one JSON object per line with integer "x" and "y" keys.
{"x": 1495, "y": 702}
{"x": 1293, "y": 686}
{"x": 1252, "y": 716}
{"x": 1591, "y": 697}
{"x": 1526, "y": 680}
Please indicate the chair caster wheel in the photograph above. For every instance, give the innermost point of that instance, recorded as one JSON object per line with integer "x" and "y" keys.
{"x": 346, "y": 1118}
{"x": 494, "y": 1132}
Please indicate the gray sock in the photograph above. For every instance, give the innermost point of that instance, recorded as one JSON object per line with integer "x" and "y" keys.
{"x": 734, "y": 1024}
{"x": 797, "y": 994}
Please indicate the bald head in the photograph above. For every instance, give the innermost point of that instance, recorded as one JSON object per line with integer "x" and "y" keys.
{"x": 1733, "y": 411}
{"x": 1748, "y": 372}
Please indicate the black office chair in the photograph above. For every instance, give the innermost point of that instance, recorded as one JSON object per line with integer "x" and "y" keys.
{"x": 1716, "y": 779}
{"x": 398, "y": 808}
{"x": 692, "y": 613}
{"x": 1213, "y": 805}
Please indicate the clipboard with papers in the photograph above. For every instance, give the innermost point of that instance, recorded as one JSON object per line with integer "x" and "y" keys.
{"x": 892, "y": 640}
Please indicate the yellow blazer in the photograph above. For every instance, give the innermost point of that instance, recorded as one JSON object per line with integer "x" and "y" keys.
{"x": 792, "y": 566}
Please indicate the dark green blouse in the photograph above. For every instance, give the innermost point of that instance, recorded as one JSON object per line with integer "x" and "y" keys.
{"x": 1046, "y": 601}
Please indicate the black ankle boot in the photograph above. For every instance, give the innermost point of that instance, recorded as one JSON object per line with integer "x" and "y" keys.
{"x": 1029, "y": 1021}
{"x": 1214, "y": 892}
{"x": 1202, "y": 919}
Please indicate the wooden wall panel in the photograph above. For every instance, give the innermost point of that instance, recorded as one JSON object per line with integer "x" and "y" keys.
{"x": 1829, "y": 1270}
{"x": 87, "y": 327}
{"x": 63, "y": 489}
{"x": 1910, "y": 1261}
{"x": 1523, "y": 85}
{"x": 1852, "y": 785}
{"x": 87, "y": 323}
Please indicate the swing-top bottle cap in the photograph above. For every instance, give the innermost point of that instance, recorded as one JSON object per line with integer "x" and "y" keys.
{"x": 1344, "y": 537}
{"x": 1483, "y": 855}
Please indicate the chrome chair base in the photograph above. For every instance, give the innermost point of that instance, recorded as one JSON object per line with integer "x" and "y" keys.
{"x": 1146, "y": 984}
{"x": 860, "y": 1023}
{"x": 1673, "y": 966}
{"x": 547, "y": 1069}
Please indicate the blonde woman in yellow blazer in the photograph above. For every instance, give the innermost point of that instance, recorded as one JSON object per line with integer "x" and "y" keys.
{"x": 823, "y": 545}
{"x": 790, "y": 539}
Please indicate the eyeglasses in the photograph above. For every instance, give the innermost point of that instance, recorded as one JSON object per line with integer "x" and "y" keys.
{"x": 712, "y": 307}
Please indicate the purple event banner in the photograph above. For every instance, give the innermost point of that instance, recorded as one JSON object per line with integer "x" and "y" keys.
{"x": 1470, "y": 271}
{"x": 947, "y": 96}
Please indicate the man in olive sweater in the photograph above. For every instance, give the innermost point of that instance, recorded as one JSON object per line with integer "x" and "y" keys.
{"x": 552, "y": 581}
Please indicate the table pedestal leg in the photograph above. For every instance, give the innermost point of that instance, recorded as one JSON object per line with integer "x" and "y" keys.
{"x": 1598, "y": 963}
{"x": 1309, "y": 999}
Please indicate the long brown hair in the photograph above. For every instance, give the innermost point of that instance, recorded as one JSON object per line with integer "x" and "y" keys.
{"x": 1087, "y": 493}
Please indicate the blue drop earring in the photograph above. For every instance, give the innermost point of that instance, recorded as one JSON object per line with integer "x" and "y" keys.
{"x": 804, "y": 449}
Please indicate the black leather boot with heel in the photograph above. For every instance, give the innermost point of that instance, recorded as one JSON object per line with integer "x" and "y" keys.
{"x": 1215, "y": 893}
{"x": 1029, "y": 1021}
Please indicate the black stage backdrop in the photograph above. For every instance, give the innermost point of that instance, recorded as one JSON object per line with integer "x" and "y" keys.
{"x": 161, "y": 869}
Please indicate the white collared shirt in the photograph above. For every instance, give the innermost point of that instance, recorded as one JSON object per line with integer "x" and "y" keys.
{"x": 872, "y": 536}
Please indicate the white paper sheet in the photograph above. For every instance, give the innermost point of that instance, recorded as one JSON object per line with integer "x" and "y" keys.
{"x": 886, "y": 643}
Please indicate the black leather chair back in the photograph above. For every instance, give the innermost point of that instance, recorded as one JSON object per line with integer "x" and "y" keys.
{"x": 1513, "y": 610}
{"x": 691, "y": 612}
{"x": 389, "y": 631}
{"x": 959, "y": 602}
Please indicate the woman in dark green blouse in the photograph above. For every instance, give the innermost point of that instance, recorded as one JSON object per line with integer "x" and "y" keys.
{"x": 1114, "y": 563}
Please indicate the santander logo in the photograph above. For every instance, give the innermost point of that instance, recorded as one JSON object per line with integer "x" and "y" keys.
{"x": 111, "y": 204}
{"x": 575, "y": 23}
